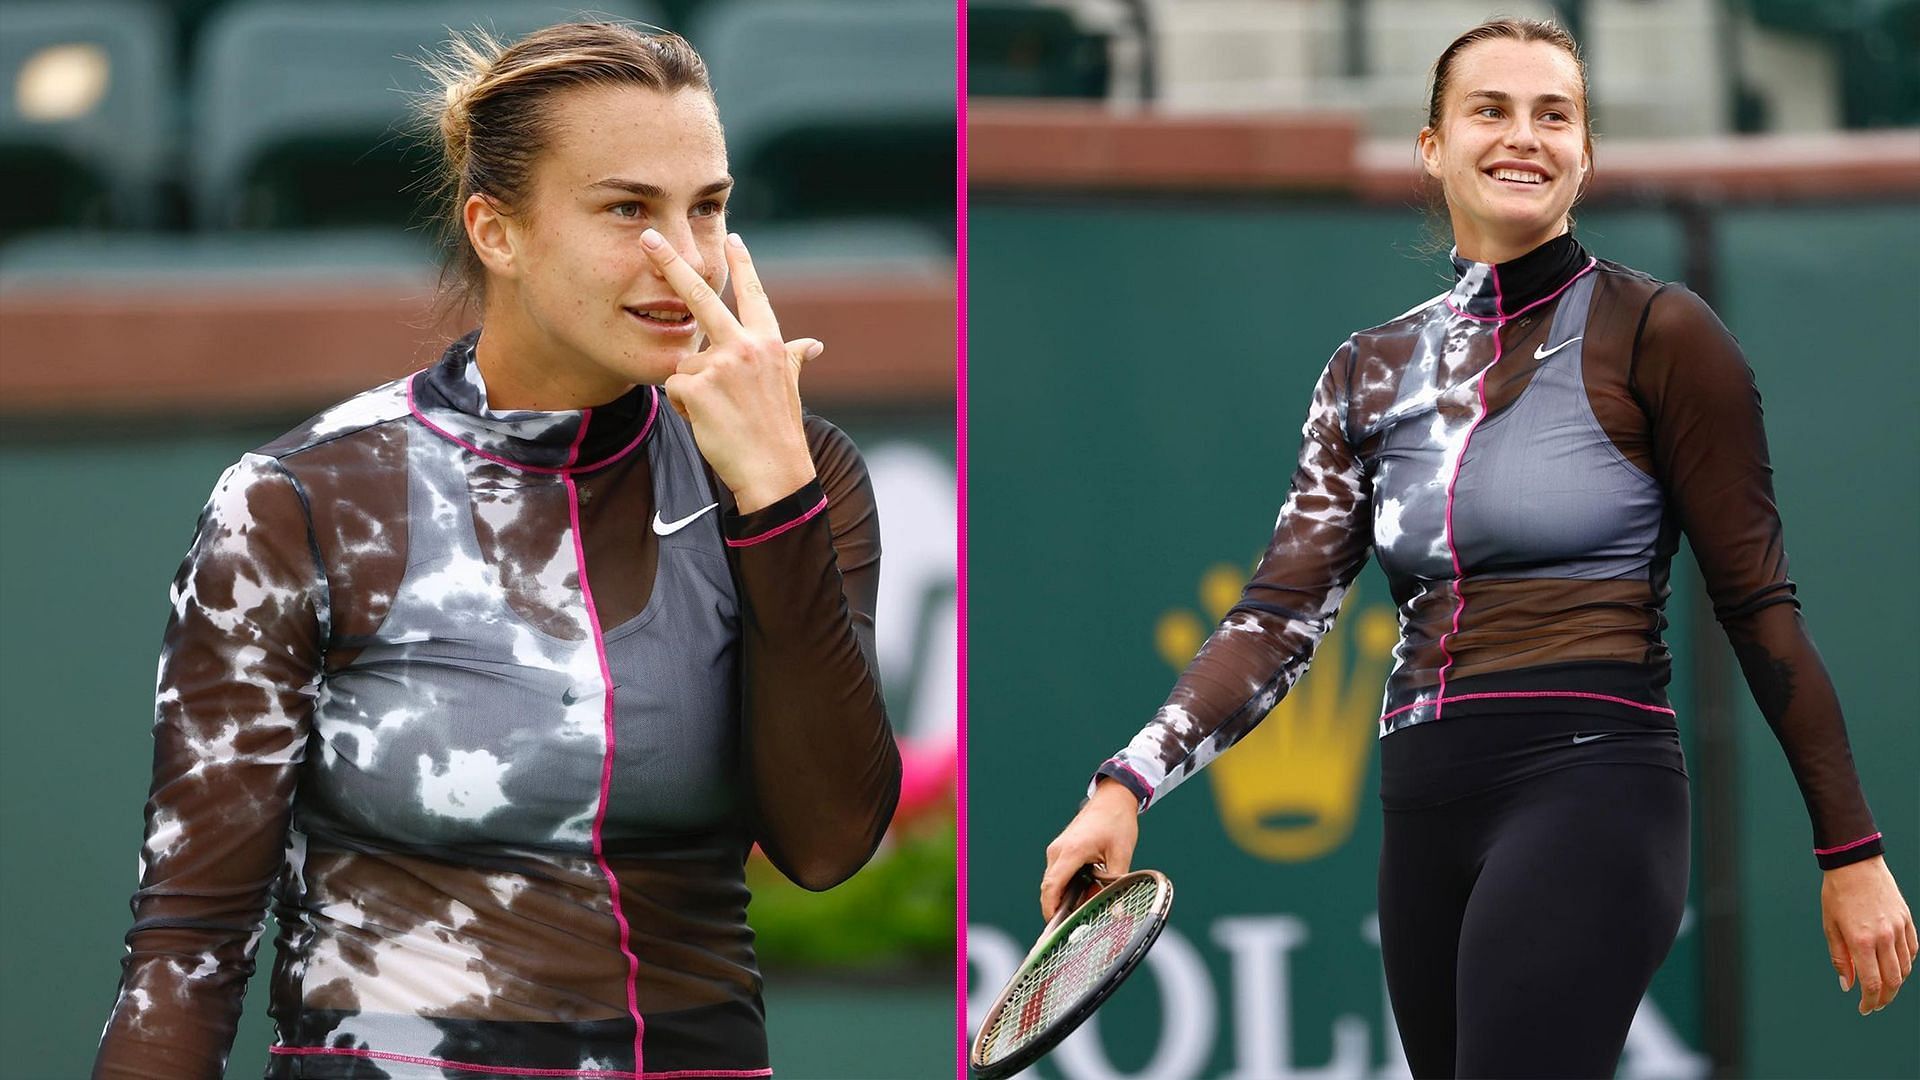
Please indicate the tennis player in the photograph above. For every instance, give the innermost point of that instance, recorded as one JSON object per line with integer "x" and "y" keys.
{"x": 1523, "y": 454}
{"x": 490, "y": 677}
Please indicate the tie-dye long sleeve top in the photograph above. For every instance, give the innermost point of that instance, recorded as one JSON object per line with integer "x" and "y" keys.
{"x": 493, "y": 707}
{"x": 1523, "y": 453}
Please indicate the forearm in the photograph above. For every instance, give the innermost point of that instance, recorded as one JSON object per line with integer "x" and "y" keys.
{"x": 821, "y": 755}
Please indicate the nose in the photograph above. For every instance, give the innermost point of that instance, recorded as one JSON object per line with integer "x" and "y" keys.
{"x": 680, "y": 235}
{"x": 1521, "y": 134}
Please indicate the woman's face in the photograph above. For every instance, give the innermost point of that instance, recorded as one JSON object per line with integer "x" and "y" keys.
{"x": 1510, "y": 149}
{"x": 579, "y": 290}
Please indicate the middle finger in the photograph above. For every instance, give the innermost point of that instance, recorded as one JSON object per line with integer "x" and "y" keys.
{"x": 756, "y": 311}
{"x": 702, "y": 301}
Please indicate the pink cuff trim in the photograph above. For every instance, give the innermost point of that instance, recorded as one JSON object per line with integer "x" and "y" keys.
{"x": 506, "y": 1070}
{"x": 1532, "y": 694}
{"x": 1135, "y": 773}
{"x": 778, "y": 529}
{"x": 1846, "y": 847}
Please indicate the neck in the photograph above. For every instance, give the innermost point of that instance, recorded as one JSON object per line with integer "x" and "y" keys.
{"x": 1487, "y": 290}
{"x": 524, "y": 372}
{"x": 1478, "y": 247}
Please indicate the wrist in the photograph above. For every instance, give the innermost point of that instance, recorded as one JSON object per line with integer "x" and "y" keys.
{"x": 771, "y": 484}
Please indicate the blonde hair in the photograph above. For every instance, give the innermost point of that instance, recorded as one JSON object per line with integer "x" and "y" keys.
{"x": 489, "y": 110}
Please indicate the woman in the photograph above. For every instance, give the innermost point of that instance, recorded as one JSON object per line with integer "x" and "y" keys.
{"x": 493, "y": 675}
{"x": 1523, "y": 453}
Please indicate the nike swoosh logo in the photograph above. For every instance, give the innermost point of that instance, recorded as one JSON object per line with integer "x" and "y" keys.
{"x": 571, "y": 698}
{"x": 1578, "y": 739}
{"x": 668, "y": 528}
{"x": 1541, "y": 352}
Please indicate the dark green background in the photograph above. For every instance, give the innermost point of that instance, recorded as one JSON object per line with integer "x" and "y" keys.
{"x": 93, "y": 523}
{"x": 1138, "y": 373}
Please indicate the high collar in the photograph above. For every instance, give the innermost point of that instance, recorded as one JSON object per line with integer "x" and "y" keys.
{"x": 451, "y": 398}
{"x": 1488, "y": 290}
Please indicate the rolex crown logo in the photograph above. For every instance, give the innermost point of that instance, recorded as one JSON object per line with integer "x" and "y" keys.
{"x": 1290, "y": 790}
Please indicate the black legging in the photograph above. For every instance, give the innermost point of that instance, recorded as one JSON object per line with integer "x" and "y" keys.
{"x": 1529, "y": 888}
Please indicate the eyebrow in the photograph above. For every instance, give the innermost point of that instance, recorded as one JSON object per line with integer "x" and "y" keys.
{"x": 650, "y": 191}
{"x": 1545, "y": 99}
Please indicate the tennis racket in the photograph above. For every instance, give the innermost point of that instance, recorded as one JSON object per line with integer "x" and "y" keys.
{"x": 1092, "y": 944}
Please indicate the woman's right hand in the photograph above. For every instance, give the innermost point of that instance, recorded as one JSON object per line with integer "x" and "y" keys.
{"x": 1103, "y": 832}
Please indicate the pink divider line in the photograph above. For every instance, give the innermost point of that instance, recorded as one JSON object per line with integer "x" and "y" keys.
{"x": 653, "y": 412}
{"x": 1846, "y": 847}
{"x": 1459, "y": 577}
{"x": 509, "y": 1070}
{"x": 1529, "y": 694}
{"x": 606, "y": 761}
{"x": 778, "y": 529}
{"x": 960, "y": 537}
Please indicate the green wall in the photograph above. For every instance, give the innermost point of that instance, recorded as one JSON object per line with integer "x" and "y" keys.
{"x": 93, "y": 523}
{"x": 1826, "y": 302}
{"x": 1138, "y": 373}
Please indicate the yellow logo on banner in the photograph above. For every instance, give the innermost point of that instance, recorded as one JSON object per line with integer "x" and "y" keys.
{"x": 1290, "y": 790}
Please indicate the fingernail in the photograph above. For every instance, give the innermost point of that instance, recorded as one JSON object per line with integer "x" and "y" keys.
{"x": 1843, "y": 984}
{"x": 734, "y": 239}
{"x": 651, "y": 238}
{"x": 815, "y": 349}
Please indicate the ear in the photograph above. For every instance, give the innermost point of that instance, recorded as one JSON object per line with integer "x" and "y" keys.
{"x": 1428, "y": 142}
{"x": 492, "y": 234}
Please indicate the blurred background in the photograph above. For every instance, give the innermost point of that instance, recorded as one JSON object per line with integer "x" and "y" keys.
{"x": 1176, "y": 212}
{"x": 213, "y": 225}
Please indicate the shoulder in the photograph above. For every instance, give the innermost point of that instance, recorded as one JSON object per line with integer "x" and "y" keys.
{"x": 1408, "y": 320}
{"x": 368, "y": 409}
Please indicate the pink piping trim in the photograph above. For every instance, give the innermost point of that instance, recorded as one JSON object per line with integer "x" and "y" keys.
{"x": 960, "y": 489}
{"x": 1591, "y": 263}
{"x": 1480, "y": 390}
{"x": 778, "y": 529}
{"x": 653, "y": 411}
{"x": 960, "y": 1040}
{"x": 507, "y": 1070}
{"x": 606, "y": 762}
{"x": 1529, "y": 694}
{"x": 1136, "y": 775}
{"x": 1846, "y": 847}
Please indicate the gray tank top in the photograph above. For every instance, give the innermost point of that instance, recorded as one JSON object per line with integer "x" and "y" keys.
{"x": 1540, "y": 492}
{"x": 463, "y": 723}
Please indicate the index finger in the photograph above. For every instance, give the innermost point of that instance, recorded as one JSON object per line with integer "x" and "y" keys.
{"x": 756, "y": 312}
{"x": 702, "y": 301}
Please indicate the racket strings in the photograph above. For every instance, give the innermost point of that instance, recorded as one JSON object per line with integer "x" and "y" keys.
{"x": 1073, "y": 964}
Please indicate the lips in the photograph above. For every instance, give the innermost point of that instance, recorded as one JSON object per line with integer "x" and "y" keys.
{"x": 663, "y": 317}
{"x": 1520, "y": 174}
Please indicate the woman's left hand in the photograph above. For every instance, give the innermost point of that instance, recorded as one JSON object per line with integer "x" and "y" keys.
{"x": 1870, "y": 931}
{"x": 741, "y": 393}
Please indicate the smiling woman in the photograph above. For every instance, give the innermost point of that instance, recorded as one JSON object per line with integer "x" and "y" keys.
{"x": 1523, "y": 453}
{"x": 497, "y": 750}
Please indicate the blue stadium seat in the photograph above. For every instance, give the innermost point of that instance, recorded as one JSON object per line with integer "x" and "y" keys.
{"x": 301, "y": 111}
{"x": 834, "y": 107}
{"x": 87, "y": 129}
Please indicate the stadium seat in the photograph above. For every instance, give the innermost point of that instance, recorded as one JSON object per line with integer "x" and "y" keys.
{"x": 837, "y": 109}
{"x": 1029, "y": 50}
{"x": 88, "y": 123}
{"x": 301, "y": 112}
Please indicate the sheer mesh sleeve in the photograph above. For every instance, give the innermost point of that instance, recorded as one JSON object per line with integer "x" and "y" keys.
{"x": 1263, "y": 645}
{"x": 824, "y": 768}
{"x": 1710, "y": 452}
{"x": 238, "y": 667}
